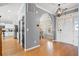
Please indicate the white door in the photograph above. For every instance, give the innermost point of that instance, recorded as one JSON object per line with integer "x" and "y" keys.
{"x": 76, "y": 21}
{"x": 68, "y": 30}
{"x": 21, "y": 32}
{"x": 59, "y": 27}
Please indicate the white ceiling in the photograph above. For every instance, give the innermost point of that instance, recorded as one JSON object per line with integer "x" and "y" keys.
{"x": 9, "y": 12}
{"x": 3, "y": 4}
{"x": 52, "y": 7}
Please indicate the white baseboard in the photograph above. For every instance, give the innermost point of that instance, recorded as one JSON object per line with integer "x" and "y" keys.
{"x": 25, "y": 50}
{"x": 32, "y": 48}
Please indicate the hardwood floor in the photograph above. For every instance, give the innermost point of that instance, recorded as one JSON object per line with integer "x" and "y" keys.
{"x": 47, "y": 48}
{"x": 10, "y": 46}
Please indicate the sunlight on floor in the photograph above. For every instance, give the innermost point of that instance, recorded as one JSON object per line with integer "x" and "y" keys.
{"x": 49, "y": 45}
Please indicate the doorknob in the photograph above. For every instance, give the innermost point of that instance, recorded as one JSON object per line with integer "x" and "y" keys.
{"x": 60, "y": 29}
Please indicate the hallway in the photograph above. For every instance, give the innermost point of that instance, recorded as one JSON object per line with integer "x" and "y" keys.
{"x": 47, "y": 48}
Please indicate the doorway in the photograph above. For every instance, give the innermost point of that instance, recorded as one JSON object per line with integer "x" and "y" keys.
{"x": 47, "y": 26}
{"x": 21, "y": 32}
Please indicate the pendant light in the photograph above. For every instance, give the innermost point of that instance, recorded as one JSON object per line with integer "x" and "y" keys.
{"x": 59, "y": 11}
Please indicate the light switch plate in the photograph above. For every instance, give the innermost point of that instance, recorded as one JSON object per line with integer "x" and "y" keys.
{"x": 27, "y": 29}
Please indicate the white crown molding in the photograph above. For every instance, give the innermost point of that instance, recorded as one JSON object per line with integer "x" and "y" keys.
{"x": 43, "y": 8}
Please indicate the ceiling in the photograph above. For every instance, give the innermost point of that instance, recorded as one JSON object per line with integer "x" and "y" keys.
{"x": 9, "y": 12}
{"x": 52, "y": 7}
{"x": 3, "y": 4}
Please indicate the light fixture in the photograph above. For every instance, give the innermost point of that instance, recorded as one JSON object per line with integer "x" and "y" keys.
{"x": 9, "y": 10}
{"x": 36, "y": 12}
{"x": 59, "y": 11}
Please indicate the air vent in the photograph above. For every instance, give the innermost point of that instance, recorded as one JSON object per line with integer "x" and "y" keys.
{"x": 71, "y": 11}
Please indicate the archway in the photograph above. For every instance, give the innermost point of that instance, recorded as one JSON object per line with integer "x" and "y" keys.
{"x": 47, "y": 26}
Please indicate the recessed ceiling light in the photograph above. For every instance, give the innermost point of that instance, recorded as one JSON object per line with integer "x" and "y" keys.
{"x": 36, "y": 12}
{"x": 9, "y": 10}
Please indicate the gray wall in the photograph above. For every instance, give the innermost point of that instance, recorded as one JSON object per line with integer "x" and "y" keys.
{"x": 32, "y": 19}
{"x": 78, "y": 31}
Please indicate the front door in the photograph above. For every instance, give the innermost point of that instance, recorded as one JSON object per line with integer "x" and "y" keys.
{"x": 68, "y": 30}
{"x": 65, "y": 29}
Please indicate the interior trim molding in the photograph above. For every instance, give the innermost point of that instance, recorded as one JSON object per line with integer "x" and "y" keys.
{"x": 66, "y": 42}
{"x": 43, "y": 8}
{"x": 32, "y": 48}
